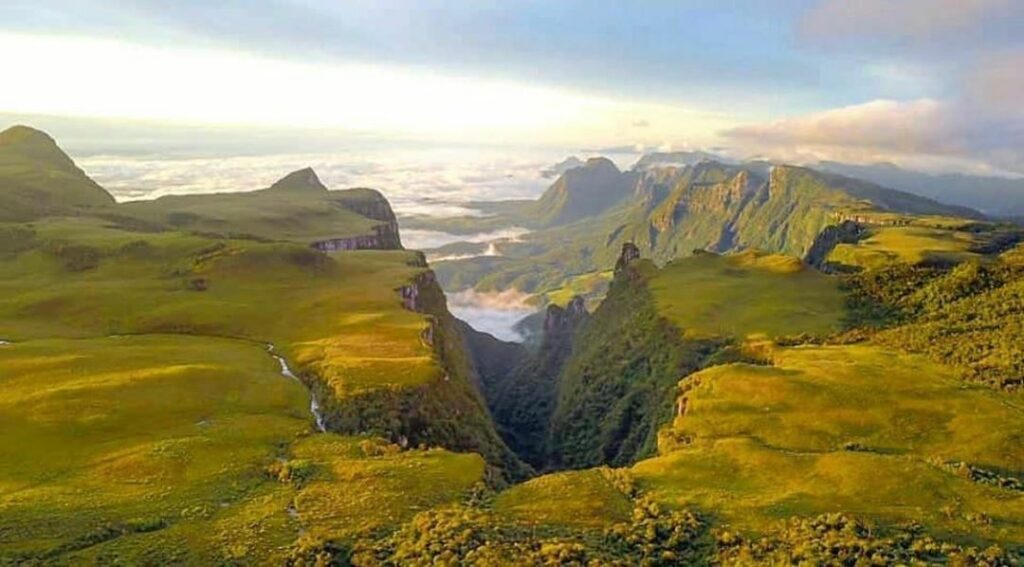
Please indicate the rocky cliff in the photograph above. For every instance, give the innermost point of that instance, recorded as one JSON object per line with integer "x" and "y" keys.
{"x": 448, "y": 411}
{"x": 846, "y": 232}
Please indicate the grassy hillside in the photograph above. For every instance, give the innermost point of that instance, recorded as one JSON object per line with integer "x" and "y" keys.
{"x": 338, "y": 318}
{"x": 907, "y": 244}
{"x": 183, "y": 449}
{"x": 750, "y": 293}
{"x": 37, "y": 178}
{"x": 297, "y": 208}
{"x": 970, "y": 316}
{"x": 854, "y": 429}
{"x": 146, "y": 421}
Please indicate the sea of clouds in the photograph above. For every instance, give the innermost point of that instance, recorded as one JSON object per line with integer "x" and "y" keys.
{"x": 434, "y": 182}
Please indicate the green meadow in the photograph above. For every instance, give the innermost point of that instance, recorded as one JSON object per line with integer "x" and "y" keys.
{"x": 907, "y": 244}
{"x": 745, "y": 294}
{"x": 146, "y": 420}
{"x": 339, "y": 316}
{"x": 855, "y": 429}
{"x": 170, "y": 448}
{"x": 296, "y": 214}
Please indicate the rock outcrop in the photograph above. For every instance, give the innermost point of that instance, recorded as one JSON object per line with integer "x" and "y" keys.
{"x": 629, "y": 253}
{"x": 411, "y": 291}
{"x": 846, "y": 232}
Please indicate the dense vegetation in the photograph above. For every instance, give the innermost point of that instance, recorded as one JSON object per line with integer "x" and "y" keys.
{"x": 970, "y": 316}
{"x": 616, "y": 389}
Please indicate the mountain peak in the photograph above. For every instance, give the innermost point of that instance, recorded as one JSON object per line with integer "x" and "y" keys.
{"x": 35, "y": 145}
{"x": 600, "y": 163}
{"x": 20, "y": 134}
{"x": 302, "y": 180}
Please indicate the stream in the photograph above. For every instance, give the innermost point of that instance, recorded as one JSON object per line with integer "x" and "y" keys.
{"x": 314, "y": 405}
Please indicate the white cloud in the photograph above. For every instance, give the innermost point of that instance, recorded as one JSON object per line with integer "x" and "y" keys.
{"x": 495, "y": 313}
{"x": 926, "y": 133}
{"x": 420, "y": 239}
{"x": 434, "y": 181}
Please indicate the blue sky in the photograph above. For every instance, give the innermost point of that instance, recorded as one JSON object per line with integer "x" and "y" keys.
{"x": 802, "y": 78}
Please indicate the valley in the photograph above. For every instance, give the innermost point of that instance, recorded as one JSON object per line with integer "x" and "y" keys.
{"x": 726, "y": 364}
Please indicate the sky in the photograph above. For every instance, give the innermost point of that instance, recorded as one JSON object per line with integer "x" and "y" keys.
{"x": 933, "y": 84}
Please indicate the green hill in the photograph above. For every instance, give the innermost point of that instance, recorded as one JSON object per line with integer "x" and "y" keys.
{"x": 297, "y": 208}
{"x": 37, "y": 178}
{"x": 581, "y": 192}
{"x": 846, "y": 428}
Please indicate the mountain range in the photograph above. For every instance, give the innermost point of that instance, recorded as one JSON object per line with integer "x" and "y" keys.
{"x": 581, "y": 222}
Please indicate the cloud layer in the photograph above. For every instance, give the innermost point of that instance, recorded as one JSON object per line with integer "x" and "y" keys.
{"x": 960, "y": 61}
{"x": 926, "y": 134}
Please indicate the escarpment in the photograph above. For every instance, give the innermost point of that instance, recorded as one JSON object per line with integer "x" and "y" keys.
{"x": 385, "y": 238}
{"x": 600, "y": 385}
{"x": 846, "y": 232}
{"x": 446, "y": 411}
{"x": 369, "y": 204}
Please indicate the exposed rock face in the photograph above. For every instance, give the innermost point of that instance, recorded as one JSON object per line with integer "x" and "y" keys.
{"x": 371, "y": 204}
{"x": 411, "y": 292}
{"x": 362, "y": 242}
{"x": 559, "y": 320}
{"x": 447, "y": 411}
{"x": 629, "y": 253}
{"x": 846, "y": 232}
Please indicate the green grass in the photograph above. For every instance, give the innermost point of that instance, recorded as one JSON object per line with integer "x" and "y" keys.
{"x": 134, "y": 430}
{"x": 854, "y": 429}
{"x": 747, "y": 294}
{"x": 907, "y": 244}
{"x": 37, "y": 178}
{"x": 354, "y": 494}
{"x": 592, "y": 286}
{"x": 296, "y": 216}
{"x": 166, "y": 439}
{"x": 575, "y": 499}
{"x": 339, "y": 316}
